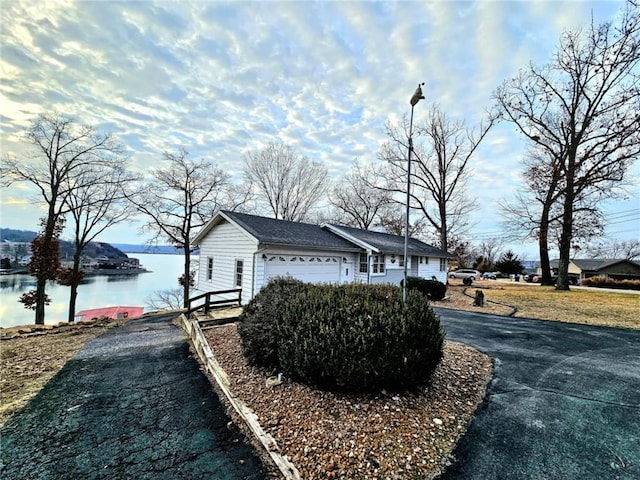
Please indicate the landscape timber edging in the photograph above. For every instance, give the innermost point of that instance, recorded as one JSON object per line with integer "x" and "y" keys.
{"x": 201, "y": 346}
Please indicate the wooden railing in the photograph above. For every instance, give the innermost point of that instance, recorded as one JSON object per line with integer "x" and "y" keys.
{"x": 213, "y": 300}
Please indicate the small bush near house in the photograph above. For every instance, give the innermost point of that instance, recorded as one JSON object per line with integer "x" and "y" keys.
{"x": 433, "y": 289}
{"x": 359, "y": 338}
{"x": 606, "y": 282}
{"x": 257, "y": 325}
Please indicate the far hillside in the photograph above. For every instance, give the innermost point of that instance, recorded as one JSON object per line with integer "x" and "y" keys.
{"x": 133, "y": 248}
{"x": 67, "y": 249}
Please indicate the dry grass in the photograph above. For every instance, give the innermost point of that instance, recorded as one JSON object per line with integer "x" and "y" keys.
{"x": 592, "y": 307}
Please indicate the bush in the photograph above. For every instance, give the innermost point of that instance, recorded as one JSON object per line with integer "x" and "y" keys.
{"x": 433, "y": 289}
{"x": 359, "y": 338}
{"x": 257, "y": 323}
{"x": 606, "y": 282}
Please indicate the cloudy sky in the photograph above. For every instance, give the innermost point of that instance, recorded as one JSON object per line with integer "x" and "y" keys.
{"x": 222, "y": 79}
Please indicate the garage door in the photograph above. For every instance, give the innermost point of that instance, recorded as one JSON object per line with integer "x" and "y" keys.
{"x": 314, "y": 269}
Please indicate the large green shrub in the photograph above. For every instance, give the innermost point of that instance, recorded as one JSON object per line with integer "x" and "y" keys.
{"x": 433, "y": 289}
{"x": 359, "y": 338}
{"x": 257, "y": 323}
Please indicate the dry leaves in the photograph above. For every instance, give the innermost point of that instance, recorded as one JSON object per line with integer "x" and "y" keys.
{"x": 386, "y": 436}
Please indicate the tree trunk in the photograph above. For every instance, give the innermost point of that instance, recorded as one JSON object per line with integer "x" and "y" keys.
{"x": 567, "y": 226}
{"x": 187, "y": 274}
{"x": 543, "y": 244}
{"x": 40, "y": 300}
{"x": 75, "y": 281}
{"x": 41, "y": 294}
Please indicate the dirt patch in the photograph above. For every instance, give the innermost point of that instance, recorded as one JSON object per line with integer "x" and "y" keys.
{"x": 326, "y": 435}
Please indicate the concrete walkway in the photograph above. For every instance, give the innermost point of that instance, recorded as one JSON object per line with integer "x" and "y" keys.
{"x": 132, "y": 404}
{"x": 564, "y": 402}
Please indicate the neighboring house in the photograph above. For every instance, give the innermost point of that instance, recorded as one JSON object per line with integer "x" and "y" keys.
{"x": 618, "y": 269}
{"x": 241, "y": 250}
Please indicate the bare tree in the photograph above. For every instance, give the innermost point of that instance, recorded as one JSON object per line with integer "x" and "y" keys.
{"x": 356, "y": 199}
{"x": 179, "y": 199}
{"x": 581, "y": 110}
{"x": 627, "y": 249}
{"x": 96, "y": 205}
{"x": 486, "y": 253}
{"x": 168, "y": 299}
{"x": 61, "y": 151}
{"x": 287, "y": 182}
{"x": 392, "y": 219}
{"x": 536, "y": 211}
{"x": 442, "y": 150}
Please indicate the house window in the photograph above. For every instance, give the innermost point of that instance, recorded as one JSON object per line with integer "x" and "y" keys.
{"x": 239, "y": 266}
{"x": 364, "y": 263}
{"x": 378, "y": 264}
{"x": 209, "y": 268}
{"x": 443, "y": 264}
{"x": 401, "y": 263}
{"x": 426, "y": 260}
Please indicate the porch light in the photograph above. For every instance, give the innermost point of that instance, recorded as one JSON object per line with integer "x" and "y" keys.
{"x": 417, "y": 96}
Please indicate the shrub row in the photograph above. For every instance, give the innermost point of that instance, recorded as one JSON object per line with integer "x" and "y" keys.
{"x": 348, "y": 338}
{"x": 606, "y": 282}
{"x": 433, "y": 289}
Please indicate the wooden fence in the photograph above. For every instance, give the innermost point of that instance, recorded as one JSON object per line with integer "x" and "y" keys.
{"x": 214, "y": 300}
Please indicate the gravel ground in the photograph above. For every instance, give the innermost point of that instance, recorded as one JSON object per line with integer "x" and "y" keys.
{"x": 387, "y": 436}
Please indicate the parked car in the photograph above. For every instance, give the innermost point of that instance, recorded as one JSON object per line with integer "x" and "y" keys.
{"x": 465, "y": 273}
{"x": 489, "y": 276}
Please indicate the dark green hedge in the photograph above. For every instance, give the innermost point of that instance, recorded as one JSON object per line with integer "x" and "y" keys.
{"x": 257, "y": 324}
{"x": 433, "y": 289}
{"x": 351, "y": 338}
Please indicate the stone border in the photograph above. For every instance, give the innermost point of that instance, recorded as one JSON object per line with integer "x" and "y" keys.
{"x": 201, "y": 346}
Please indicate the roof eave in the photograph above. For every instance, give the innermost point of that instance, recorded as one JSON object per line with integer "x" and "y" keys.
{"x": 364, "y": 245}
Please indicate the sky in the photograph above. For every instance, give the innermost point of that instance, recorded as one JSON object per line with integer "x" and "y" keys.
{"x": 224, "y": 79}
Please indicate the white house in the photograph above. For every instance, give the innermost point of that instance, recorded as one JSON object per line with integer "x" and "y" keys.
{"x": 241, "y": 250}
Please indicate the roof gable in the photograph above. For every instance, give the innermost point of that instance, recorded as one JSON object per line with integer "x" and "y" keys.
{"x": 271, "y": 231}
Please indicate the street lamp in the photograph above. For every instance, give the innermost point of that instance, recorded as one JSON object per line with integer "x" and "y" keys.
{"x": 417, "y": 96}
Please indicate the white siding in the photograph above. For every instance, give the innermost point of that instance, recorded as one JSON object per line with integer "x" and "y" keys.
{"x": 431, "y": 268}
{"x": 226, "y": 243}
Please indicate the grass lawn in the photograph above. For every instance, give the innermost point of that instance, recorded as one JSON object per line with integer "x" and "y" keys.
{"x": 594, "y": 307}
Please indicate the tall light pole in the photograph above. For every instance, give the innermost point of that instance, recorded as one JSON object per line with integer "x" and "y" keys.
{"x": 417, "y": 96}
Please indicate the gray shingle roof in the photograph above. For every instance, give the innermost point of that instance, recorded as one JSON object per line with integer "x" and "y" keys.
{"x": 387, "y": 243}
{"x": 592, "y": 264}
{"x": 270, "y": 231}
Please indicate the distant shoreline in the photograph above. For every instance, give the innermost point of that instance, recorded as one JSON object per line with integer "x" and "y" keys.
{"x": 87, "y": 273}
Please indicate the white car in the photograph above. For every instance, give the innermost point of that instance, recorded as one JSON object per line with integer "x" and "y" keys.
{"x": 465, "y": 273}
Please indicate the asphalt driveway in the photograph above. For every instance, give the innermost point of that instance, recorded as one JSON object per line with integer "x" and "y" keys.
{"x": 564, "y": 402}
{"x": 131, "y": 404}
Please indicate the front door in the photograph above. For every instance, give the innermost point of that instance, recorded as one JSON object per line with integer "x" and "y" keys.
{"x": 346, "y": 275}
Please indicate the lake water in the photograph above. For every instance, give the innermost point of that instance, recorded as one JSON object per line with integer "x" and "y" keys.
{"x": 95, "y": 292}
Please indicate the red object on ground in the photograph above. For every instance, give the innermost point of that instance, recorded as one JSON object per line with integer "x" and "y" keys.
{"x": 109, "y": 312}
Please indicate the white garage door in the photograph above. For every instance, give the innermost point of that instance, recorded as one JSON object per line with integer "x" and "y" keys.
{"x": 314, "y": 269}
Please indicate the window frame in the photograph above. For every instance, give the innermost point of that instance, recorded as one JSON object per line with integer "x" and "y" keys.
{"x": 209, "y": 268}
{"x": 443, "y": 265}
{"x": 363, "y": 261}
{"x": 378, "y": 264}
{"x": 238, "y": 272}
